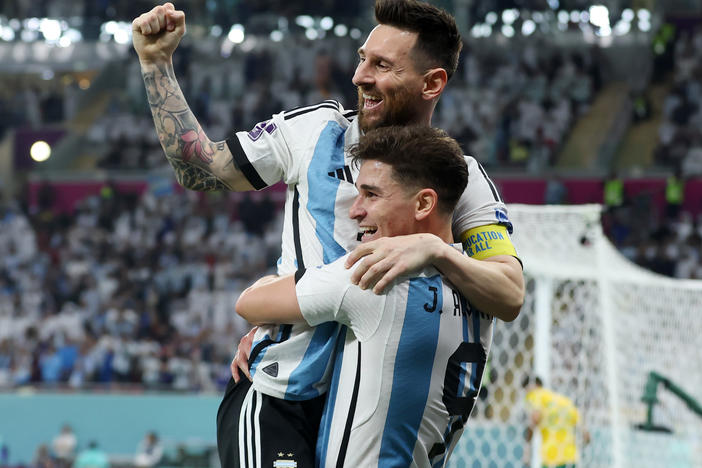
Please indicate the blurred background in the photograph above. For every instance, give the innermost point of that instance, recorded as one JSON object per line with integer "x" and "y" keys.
{"x": 117, "y": 286}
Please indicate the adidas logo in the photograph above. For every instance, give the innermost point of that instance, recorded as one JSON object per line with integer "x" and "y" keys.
{"x": 271, "y": 369}
{"x": 342, "y": 173}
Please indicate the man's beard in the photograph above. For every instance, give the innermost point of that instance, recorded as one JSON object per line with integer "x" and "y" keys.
{"x": 397, "y": 109}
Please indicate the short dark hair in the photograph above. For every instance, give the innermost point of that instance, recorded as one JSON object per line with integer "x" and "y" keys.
{"x": 438, "y": 43}
{"x": 420, "y": 157}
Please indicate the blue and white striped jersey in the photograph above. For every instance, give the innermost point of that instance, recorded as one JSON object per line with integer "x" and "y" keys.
{"x": 307, "y": 149}
{"x": 407, "y": 372}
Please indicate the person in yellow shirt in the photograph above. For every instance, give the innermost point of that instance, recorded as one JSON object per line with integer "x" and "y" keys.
{"x": 556, "y": 418}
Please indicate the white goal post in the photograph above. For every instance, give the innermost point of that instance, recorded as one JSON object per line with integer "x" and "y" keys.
{"x": 593, "y": 327}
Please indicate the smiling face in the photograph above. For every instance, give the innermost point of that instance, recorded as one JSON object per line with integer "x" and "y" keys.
{"x": 389, "y": 85}
{"x": 383, "y": 207}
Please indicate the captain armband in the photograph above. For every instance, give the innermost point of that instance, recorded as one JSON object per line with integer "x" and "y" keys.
{"x": 487, "y": 241}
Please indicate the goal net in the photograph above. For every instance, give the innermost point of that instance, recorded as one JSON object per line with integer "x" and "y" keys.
{"x": 593, "y": 326}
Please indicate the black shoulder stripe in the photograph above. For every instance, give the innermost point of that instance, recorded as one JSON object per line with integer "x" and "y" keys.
{"x": 349, "y": 115}
{"x": 244, "y": 165}
{"x": 325, "y": 105}
{"x": 299, "y": 273}
{"x": 492, "y": 186}
{"x": 296, "y": 229}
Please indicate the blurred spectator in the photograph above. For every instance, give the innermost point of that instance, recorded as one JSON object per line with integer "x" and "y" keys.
{"x": 43, "y": 458}
{"x": 674, "y": 194}
{"x": 64, "y": 446}
{"x": 92, "y": 457}
{"x": 149, "y": 452}
{"x": 556, "y": 191}
{"x": 613, "y": 191}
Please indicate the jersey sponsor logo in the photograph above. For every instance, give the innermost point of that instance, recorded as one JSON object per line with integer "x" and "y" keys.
{"x": 268, "y": 127}
{"x": 271, "y": 369}
{"x": 487, "y": 241}
{"x": 342, "y": 173}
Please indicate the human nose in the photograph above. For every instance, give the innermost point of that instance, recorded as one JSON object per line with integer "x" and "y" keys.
{"x": 356, "y": 211}
{"x": 362, "y": 75}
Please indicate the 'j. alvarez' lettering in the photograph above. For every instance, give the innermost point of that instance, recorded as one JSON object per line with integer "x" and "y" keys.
{"x": 480, "y": 241}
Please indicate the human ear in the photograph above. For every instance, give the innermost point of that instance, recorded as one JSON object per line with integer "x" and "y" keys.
{"x": 426, "y": 203}
{"x": 434, "y": 83}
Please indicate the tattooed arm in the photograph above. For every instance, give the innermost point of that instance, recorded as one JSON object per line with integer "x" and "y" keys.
{"x": 199, "y": 163}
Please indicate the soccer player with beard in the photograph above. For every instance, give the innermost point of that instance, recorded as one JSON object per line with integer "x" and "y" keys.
{"x": 403, "y": 68}
{"x": 406, "y": 379}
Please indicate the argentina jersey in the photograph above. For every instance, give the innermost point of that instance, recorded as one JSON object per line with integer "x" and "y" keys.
{"x": 306, "y": 149}
{"x": 407, "y": 372}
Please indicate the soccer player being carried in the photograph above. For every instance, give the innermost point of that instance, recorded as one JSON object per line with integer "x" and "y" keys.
{"x": 406, "y": 378}
{"x": 403, "y": 68}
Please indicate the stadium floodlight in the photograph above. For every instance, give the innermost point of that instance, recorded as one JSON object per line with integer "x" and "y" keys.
{"x": 122, "y": 36}
{"x": 15, "y": 24}
{"x": 628, "y": 15}
{"x": 51, "y": 29}
{"x": 644, "y": 15}
{"x": 32, "y": 24}
{"x": 311, "y": 34}
{"x": 507, "y": 30}
{"x": 574, "y": 16}
{"x": 554, "y": 4}
{"x": 563, "y": 17}
{"x": 236, "y": 34}
{"x": 110, "y": 27}
{"x": 510, "y": 15}
{"x": 537, "y": 16}
{"x": 599, "y": 16}
{"x": 7, "y": 34}
{"x": 304, "y": 21}
{"x": 40, "y": 151}
{"x": 64, "y": 41}
{"x": 644, "y": 26}
{"x": 475, "y": 31}
{"x": 491, "y": 17}
{"x": 341, "y": 30}
{"x": 326, "y": 23}
{"x": 528, "y": 27}
{"x": 622, "y": 28}
{"x": 216, "y": 31}
{"x": 276, "y": 36}
{"x": 355, "y": 33}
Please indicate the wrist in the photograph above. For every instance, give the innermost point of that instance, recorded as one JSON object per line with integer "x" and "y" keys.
{"x": 153, "y": 64}
{"x": 442, "y": 253}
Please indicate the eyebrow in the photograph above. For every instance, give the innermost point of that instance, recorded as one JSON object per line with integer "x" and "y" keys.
{"x": 369, "y": 188}
{"x": 382, "y": 58}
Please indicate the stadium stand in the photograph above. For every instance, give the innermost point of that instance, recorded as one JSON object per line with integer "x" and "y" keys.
{"x": 113, "y": 279}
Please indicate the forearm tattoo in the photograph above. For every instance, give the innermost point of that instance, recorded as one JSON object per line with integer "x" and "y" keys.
{"x": 187, "y": 148}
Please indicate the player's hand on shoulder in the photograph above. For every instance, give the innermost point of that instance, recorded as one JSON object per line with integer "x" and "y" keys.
{"x": 156, "y": 33}
{"x": 384, "y": 260}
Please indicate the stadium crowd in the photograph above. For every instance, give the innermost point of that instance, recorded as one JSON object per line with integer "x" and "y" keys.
{"x": 129, "y": 290}
{"x": 139, "y": 290}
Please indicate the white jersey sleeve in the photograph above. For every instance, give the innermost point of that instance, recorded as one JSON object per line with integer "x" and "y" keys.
{"x": 321, "y": 292}
{"x": 480, "y": 203}
{"x": 271, "y": 151}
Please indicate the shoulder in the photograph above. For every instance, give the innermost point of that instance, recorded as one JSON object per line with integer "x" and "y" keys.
{"x": 322, "y": 111}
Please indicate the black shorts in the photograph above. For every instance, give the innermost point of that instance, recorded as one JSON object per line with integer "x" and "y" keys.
{"x": 258, "y": 431}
